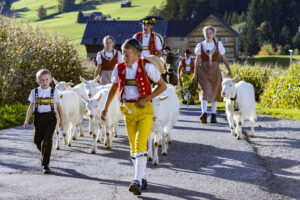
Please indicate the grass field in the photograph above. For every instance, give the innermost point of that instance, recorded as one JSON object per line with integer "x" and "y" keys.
{"x": 65, "y": 23}
{"x": 282, "y": 61}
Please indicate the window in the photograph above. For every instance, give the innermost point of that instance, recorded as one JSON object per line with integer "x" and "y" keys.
{"x": 178, "y": 39}
{"x": 228, "y": 50}
{"x": 199, "y": 39}
{"x": 224, "y": 39}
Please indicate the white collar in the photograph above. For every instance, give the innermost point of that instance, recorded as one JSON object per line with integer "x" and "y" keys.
{"x": 146, "y": 35}
{"x": 44, "y": 89}
{"x": 134, "y": 65}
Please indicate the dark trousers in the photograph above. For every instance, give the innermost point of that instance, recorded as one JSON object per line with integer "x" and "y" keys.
{"x": 44, "y": 127}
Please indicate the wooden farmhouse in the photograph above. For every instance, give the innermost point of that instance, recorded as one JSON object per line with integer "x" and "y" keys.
{"x": 177, "y": 34}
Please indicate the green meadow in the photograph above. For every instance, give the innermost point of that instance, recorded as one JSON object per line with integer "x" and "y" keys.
{"x": 65, "y": 23}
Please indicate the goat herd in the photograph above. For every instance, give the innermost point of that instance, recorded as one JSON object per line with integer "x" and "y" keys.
{"x": 87, "y": 99}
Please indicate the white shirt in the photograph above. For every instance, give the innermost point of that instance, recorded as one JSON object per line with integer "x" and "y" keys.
{"x": 209, "y": 46}
{"x": 187, "y": 62}
{"x": 131, "y": 92}
{"x": 108, "y": 56}
{"x": 146, "y": 38}
{"x": 44, "y": 93}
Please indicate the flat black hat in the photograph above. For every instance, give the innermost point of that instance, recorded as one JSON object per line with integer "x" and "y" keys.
{"x": 148, "y": 20}
{"x": 187, "y": 51}
{"x": 135, "y": 43}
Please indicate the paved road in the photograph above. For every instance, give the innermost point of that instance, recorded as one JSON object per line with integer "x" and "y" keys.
{"x": 204, "y": 162}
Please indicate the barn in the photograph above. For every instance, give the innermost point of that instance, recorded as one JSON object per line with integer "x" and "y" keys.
{"x": 177, "y": 34}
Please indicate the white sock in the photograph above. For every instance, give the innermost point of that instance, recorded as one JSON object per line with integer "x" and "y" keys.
{"x": 204, "y": 106}
{"x": 144, "y": 165}
{"x": 214, "y": 107}
{"x": 133, "y": 159}
{"x": 140, "y": 167}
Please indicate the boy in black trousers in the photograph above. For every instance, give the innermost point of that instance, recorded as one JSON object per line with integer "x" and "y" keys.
{"x": 43, "y": 101}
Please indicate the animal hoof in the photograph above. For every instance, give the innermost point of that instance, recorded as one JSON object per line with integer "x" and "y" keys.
{"x": 252, "y": 136}
{"x": 69, "y": 144}
{"x": 82, "y": 135}
{"x": 105, "y": 144}
{"x": 93, "y": 152}
{"x": 109, "y": 148}
{"x": 116, "y": 136}
{"x": 57, "y": 148}
{"x": 164, "y": 154}
{"x": 159, "y": 145}
{"x": 154, "y": 164}
{"x": 74, "y": 138}
{"x": 91, "y": 133}
{"x": 169, "y": 142}
{"x": 150, "y": 159}
{"x": 238, "y": 138}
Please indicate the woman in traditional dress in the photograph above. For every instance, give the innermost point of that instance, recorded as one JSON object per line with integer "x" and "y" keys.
{"x": 208, "y": 75}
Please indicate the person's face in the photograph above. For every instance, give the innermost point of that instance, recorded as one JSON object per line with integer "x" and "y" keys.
{"x": 209, "y": 35}
{"x": 109, "y": 44}
{"x": 147, "y": 28}
{"x": 130, "y": 56}
{"x": 44, "y": 81}
{"x": 187, "y": 55}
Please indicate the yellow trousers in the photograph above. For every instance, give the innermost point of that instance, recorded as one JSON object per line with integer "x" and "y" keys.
{"x": 187, "y": 78}
{"x": 138, "y": 122}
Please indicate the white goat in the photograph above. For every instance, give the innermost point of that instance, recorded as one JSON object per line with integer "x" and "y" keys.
{"x": 240, "y": 104}
{"x": 80, "y": 91}
{"x": 69, "y": 101}
{"x": 166, "y": 110}
{"x": 109, "y": 126}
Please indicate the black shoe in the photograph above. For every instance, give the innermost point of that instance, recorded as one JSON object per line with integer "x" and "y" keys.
{"x": 144, "y": 184}
{"x": 213, "y": 118}
{"x": 135, "y": 187}
{"x": 203, "y": 118}
{"x": 46, "y": 170}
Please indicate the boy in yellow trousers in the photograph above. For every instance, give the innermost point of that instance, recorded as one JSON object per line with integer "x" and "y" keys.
{"x": 131, "y": 78}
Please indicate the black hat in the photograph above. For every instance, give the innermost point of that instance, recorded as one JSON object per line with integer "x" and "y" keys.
{"x": 135, "y": 43}
{"x": 187, "y": 51}
{"x": 149, "y": 20}
{"x": 167, "y": 48}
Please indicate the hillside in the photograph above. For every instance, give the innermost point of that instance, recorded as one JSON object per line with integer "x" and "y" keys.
{"x": 65, "y": 23}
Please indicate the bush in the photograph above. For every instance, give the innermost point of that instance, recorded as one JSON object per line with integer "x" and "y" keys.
{"x": 42, "y": 12}
{"x": 266, "y": 49}
{"x": 256, "y": 75}
{"x": 296, "y": 52}
{"x": 24, "y": 50}
{"x": 280, "y": 50}
{"x": 283, "y": 91}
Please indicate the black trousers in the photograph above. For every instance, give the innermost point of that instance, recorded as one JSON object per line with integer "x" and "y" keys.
{"x": 44, "y": 127}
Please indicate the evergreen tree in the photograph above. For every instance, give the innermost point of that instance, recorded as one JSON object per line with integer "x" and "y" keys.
{"x": 265, "y": 33}
{"x": 250, "y": 39}
{"x": 42, "y": 12}
{"x": 80, "y": 18}
{"x": 296, "y": 40}
{"x": 65, "y": 5}
{"x": 285, "y": 37}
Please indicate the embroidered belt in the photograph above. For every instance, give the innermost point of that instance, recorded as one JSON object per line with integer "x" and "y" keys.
{"x": 145, "y": 48}
{"x": 130, "y": 82}
{"x": 44, "y": 101}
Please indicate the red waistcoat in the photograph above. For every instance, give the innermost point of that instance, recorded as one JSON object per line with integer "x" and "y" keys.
{"x": 184, "y": 65}
{"x": 141, "y": 78}
{"x": 152, "y": 46}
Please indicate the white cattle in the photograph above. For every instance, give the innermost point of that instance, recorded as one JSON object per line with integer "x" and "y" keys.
{"x": 69, "y": 101}
{"x": 109, "y": 126}
{"x": 240, "y": 104}
{"x": 166, "y": 110}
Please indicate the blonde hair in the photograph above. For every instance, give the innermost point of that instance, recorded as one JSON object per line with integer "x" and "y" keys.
{"x": 209, "y": 27}
{"x": 42, "y": 72}
{"x": 106, "y": 38}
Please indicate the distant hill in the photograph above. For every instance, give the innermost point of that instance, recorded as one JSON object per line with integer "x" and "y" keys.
{"x": 65, "y": 23}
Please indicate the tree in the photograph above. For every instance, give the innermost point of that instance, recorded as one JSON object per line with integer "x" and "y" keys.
{"x": 265, "y": 33}
{"x": 284, "y": 36}
{"x": 250, "y": 41}
{"x": 65, "y": 5}
{"x": 80, "y": 18}
{"x": 42, "y": 12}
{"x": 296, "y": 40}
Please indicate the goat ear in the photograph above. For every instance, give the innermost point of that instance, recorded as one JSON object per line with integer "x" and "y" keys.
{"x": 236, "y": 79}
{"x": 97, "y": 78}
{"x": 70, "y": 83}
{"x": 163, "y": 98}
{"x": 100, "y": 96}
{"x": 55, "y": 81}
{"x": 82, "y": 79}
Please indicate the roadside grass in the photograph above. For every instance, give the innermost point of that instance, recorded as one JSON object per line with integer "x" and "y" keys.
{"x": 12, "y": 115}
{"x": 282, "y": 61}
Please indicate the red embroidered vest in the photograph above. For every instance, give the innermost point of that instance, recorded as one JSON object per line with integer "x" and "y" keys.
{"x": 184, "y": 65}
{"x": 152, "y": 46}
{"x": 109, "y": 64}
{"x": 215, "y": 56}
{"x": 141, "y": 78}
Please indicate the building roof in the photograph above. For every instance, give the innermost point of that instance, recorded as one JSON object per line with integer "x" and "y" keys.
{"x": 95, "y": 31}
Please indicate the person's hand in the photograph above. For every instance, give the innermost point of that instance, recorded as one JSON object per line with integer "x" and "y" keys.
{"x": 230, "y": 74}
{"x": 61, "y": 125}
{"x": 194, "y": 79}
{"x": 142, "y": 102}
{"x": 103, "y": 114}
{"x": 26, "y": 125}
